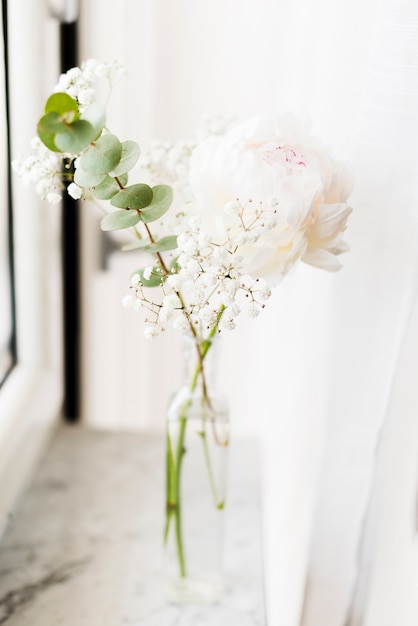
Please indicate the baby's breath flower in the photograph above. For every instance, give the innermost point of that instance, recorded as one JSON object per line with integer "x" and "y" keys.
{"x": 227, "y": 323}
{"x": 186, "y": 243}
{"x": 195, "y": 222}
{"x": 234, "y": 309}
{"x": 53, "y": 197}
{"x": 193, "y": 266}
{"x": 86, "y": 96}
{"x": 233, "y": 207}
{"x": 171, "y": 301}
{"x": 209, "y": 278}
{"x": 264, "y": 292}
{"x": 74, "y": 191}
{"x": 128, "y": 301}
{"x": 147, "y": 273}
{"x": 203, "y": 240}
{"x": 135, "y": 280}
{"x": 137, "y": 305}
{"x": 173, "y": 281}
{"x": 208, "y": 316}
{"x": 253, "y": 310}
{"x": 152, "y": 330}
{"x": 219, "y": 255}
{"x": 181, "y": 324}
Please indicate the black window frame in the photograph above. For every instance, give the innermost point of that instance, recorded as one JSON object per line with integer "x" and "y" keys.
{"x": 13, "y": 335}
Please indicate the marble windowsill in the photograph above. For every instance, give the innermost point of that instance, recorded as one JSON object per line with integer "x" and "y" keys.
{"x": 84, "y": 546}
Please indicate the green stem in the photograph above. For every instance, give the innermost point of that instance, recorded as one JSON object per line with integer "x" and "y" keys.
{"x": 177, "y": 512}
{"x": 174, "y": 461}
{"x": 219, "y": 504}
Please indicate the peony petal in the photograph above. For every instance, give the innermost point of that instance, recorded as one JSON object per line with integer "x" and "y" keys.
{"x": 322, "y": 259}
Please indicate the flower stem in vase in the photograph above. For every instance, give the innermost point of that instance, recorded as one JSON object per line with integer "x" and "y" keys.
{"x": 194, "y": 407}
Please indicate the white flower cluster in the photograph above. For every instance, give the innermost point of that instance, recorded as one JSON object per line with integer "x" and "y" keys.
{"x": 170, "y": 161}
{"x": 79, "y": 82}
{"x": 207, "y": 287}
{"x": 41, "y": 168}
{"x": 251, "y": 201}
{"x": 261, "y": 197}
{"x": 45, "y": 168}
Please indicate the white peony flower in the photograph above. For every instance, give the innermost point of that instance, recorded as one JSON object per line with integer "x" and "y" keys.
{"x": 327, "y": 222}
{"x": 284, "y": 183}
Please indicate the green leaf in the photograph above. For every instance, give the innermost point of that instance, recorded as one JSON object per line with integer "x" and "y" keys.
{"x": 76, "y": 137}
{"x": 156, "y": 279}
{"x": 161, "y": 201}
{"x": 47, "y": 128}
{"x": 136, "y": 245}
{"x": 95, "y": 114}
{"x": 108, "y": 187}
{"x": 174, "y": 266}
{"x": 164, "y": 244}
{"x": 102, "y": 156}
{"x": 51, "y": 123}
{"x": 133, "y": 197}
{"x": 48, "y": 139}
{"x": 119, "y": 219}
{"x": 63, "y": 105}
{"x": 84, "y": 179}
{"x": 130, "y": 155}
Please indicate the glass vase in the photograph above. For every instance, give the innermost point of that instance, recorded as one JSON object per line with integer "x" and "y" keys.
{"x": 197, "y": 436}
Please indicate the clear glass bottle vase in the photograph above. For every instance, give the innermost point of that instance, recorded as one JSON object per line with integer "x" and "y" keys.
{"x": 197, "y": 438}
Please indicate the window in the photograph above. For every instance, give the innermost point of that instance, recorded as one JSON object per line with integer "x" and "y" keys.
{"x": 7, "y": 329}
{"x": 31, "y": 395}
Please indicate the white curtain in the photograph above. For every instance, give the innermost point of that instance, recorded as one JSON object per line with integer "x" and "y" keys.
{"x": 318, "y": 377}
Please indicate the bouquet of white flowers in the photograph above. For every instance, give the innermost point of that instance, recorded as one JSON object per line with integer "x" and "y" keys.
{"x": 221, "y": 220}
{"x": 250, "y": 202}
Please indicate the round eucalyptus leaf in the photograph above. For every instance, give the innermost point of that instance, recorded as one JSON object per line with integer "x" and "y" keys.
{"x": 102, "y": 156}
{"x": 64, "y": 105}
{"x": 85, "y": 179}
{"x": 107, "y": 188}
{"x": 162, "y": 245}
{"x": 161, "y": 201}
{"x": 48, "y": 139}
{"x": 95, "y": 114}
{"x": 119, "y": 219}
{"x": 51, "y": 123}
{"x": 75, "y": 138}
{"x": 136, "y": 245}
{"x": 110, "y": 186}
{"x": 130, "y": 155}
{"x": 133, "y": 197}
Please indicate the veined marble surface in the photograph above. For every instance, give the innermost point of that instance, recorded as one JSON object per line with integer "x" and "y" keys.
{"x": 84, "y": 547}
